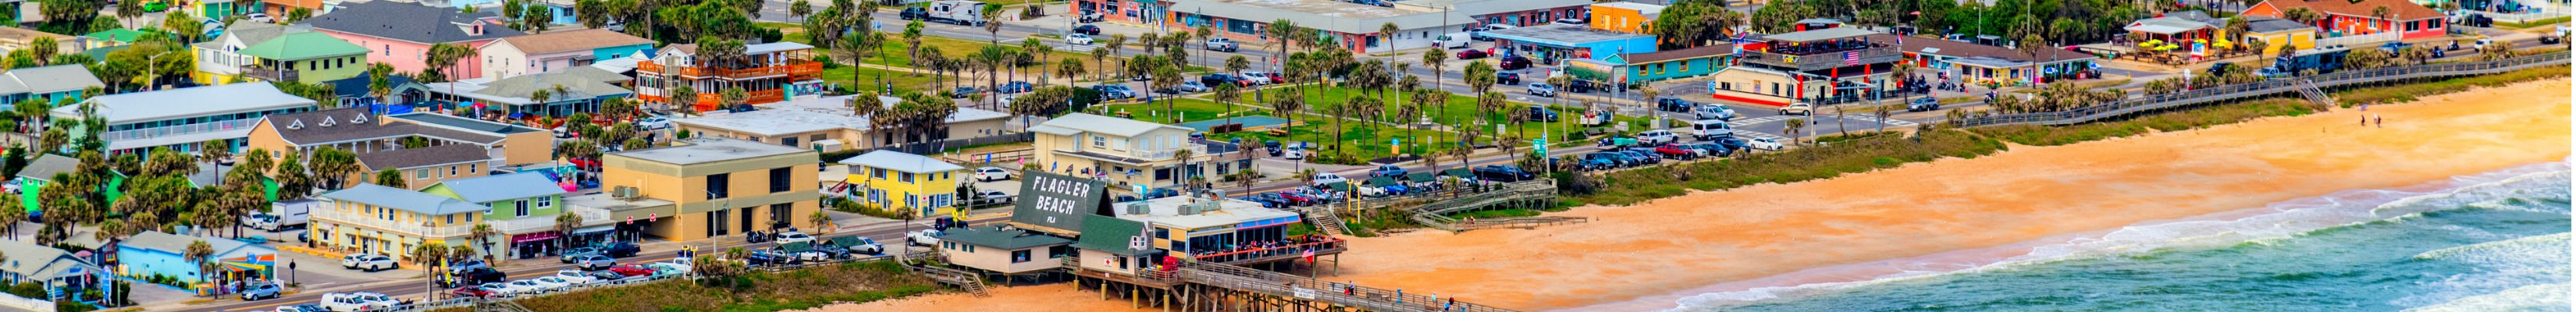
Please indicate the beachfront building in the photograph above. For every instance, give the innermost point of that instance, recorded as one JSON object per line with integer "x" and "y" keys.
{"x": 524, "y": 207}
{"x": 1627, "y": 17}
{"x": 551, "y": 51}
{"x": 48, "y": 266}
{"x": 2183, "y": 28}
{"x": 1553, "y": 44}
{"x": 1004, "y": 250}
{"x": 400, "y": 33}
{"x": 1823, "y": 66}
{"x": 827, "y": 124}
{"x": 56, "y": 85}
{"x": 2353, "y": 17}
{"x": 1133, "y": 155}
{"x": 155, "y": 253}
{"x": 378, "y": 219}
{"x": 1350, "y": 26}
{"x": 576, "y": 89}
{"x": 707, "y": 187}
{"x": 1663, "y": 65}
{"x": 896, "y": 180}
{"x": 1993, "y": 65}
{"x": 1202, "y": 227}
{"x": 182, "y": 118}
{"x": 767, "y": 72}
{"x": 2277, "y": 34}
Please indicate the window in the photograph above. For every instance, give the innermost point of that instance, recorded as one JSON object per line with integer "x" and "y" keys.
{"x": 1059, "y": 251}
{"x": 877, "y": 173}
{"x": 1641, "y": 70}
{"x": 788, "y": 141}
{"x": 1019, "y": 256}
{"x": 547, "y": 201}
{"x": 941, "y": 200}
{"x": 905, "y": 178}
{"x": 716, "y": 222}
{"x": 1685, "y": 65}
{"x": 782, "y": 214}
{"x": 778, "y": 179}
{"x": 451, "y": 170}
{"x": 474, "y": 167}
{"x": 420, "y": 174}
{"x": 522, "y": 207}
{"x": 719, "y": 185}
{"x": 747, "y": 213}
{"x": 451, "y": 219}
{"x": 1099, "y": 141}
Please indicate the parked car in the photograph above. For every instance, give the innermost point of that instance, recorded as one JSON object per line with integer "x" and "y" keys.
{"x": 1673, "y": 104}
{"x": 1472, "y": 54}
{"x": 1766, "y": 144}
{"x": 1275, "y": 77}
{"x": 652, "y": 123}
{"x": 576, "y": 252}
{"x": 260, "y": 290}
{"x": 928, "y": 237}
{"x": 479, "y": 276}
{"x": 260, "y": 17}
{"x": 1656, "y": 137}
{"x": 1923, "y": 105}
{"x": 1298, "y": 199}
{"x": 1267, "y": 200}
{"x": 606, "y": 276}
{"x": 1507, "y": 78}
{"x": 1387, "y": 171}
{"x": 524, "y": 287}
{"x": 1324, "y": 178}
{"x": 1514, "y": 62}
{"x": 1710, "y": 149}
{"x": 916, "y": 13}
{"x": 1503, "y": 173}
{"x": 476, "y": 291}
{"x": 858, "y": 245}
{"x": 631, "y": 269}
{"x": 368, "y": 262}
{"x": 1798, "y": 108}
{"x": 1676, "y": 151}
{"x": 1609, "y": 159}
{"x": 1114, "y": 91}
{"x": 1223, "y": 78}
{"x": 468, "y": 265}
{"x": 1714, "y": 112}
{"x": 792, "y": 236}
{"x": 551, "y": 284}
{"x": 620, "y": 250}
{"x": 1078, "y": 39}
{"x": 1220, "y": 44}
{"x": 1542, "y": 90}
{"x": 594, "y": 262}
{"x": 988, "y": 197}
{"x": 1087, "y": 29}
{"x": 358, "y": 301}
{"x": 1015, "y": 87}
{"x": 1644, "y": 156}
{"x": 1192, "y": 87}
{"x": 1542, "y": 114}
{"x": 1259, "y": 78}
{"x": 576, "y": 277}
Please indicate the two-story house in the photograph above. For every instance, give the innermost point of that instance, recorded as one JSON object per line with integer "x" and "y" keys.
{"x": 378, "y": 219}
{"x": 707, "y": 187}
{"x": 1132, "y": 155}
{"x": 550, "y": 51}
{"x": 185, "y": 117}
{"x": 425, "y": 166}
{"x": 768, "y": 72}
{"x": 524, "y": 208}
{"x": 219, "y": 61}
{"x": 56, "y": 84}
{"x": 897, "y": 180}
{"x": 568, "y": 90}
{"x": 307, "y": 57}
{"x": 401, "y": 33}
{"x": 827, "y": 124}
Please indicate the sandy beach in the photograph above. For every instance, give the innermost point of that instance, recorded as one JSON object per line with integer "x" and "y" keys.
{"x": 1641, "y": 257}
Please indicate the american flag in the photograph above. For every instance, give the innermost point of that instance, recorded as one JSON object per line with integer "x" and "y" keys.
{"x": 1851, "y": 58}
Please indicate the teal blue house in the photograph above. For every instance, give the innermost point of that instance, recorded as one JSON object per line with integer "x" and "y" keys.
{"x": 1673, "y": 64}
{"x": 56, "y": 84}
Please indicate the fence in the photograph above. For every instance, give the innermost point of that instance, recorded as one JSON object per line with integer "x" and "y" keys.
{"x": 1282, "y": 284}
{"x": 13, "y": 301}
{"x": 2525, "y": 17}
{"x": 2266, "y": 87}
{"x": 933, "y": 147}
{"x": 2358, "y": 40}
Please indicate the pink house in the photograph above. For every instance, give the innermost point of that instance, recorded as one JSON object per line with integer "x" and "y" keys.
{"x": 400, "y": 33}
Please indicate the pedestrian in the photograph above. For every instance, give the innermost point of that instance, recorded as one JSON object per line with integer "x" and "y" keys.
{"x": 2365, "y": 121}
{"x": 2376, "y": 121}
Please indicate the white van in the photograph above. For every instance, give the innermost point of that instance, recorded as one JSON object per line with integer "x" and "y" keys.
{"x": 1711, "y": 129}
{"x": 1451, "y": 41}
{"x": 1479, "y": 33}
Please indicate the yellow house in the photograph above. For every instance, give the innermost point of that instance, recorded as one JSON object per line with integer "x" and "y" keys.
{"x": 898, "y": 180}
{"x": 385, "y": 220}
{"x": 1627, "y": 17}
{"x": 708, "y": 187}
{"x": 2278, "y": 33}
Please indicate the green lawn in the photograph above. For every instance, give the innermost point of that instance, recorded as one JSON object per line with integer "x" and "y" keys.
{"x": 1366, "y": 140}
{"x": 899, "y": 54}
{"x": 1460, "y": 110}
{"x": 900, "y": 79}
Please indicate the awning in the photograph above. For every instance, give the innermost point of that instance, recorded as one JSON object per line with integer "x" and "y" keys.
{"x": 530, "y": 237}
{"x": 254, "y": 263}
{"x": 595, "y": 229}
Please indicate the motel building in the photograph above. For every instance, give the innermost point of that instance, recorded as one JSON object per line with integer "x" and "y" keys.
{"x": 1821, "y": 67}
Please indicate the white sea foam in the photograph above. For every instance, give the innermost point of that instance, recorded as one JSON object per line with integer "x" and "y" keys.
{"x": 2502, "y": 264}
{"x": 2282, "y": 220}
{"x": 2544, "y": 297}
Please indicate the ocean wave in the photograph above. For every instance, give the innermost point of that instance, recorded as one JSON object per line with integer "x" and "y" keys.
{"x": 2501, "y": 264}
{"x": 2274, "y": 222}
{"x": 2544, "y": 297}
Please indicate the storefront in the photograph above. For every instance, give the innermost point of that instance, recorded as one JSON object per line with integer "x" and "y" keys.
{"x": 532, "y": 245}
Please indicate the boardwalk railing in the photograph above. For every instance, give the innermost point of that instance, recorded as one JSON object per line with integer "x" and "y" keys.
{"x": 1287, "y": 285}
{"x": 2267, "y": 87}
{"x": 1435, "y": 214}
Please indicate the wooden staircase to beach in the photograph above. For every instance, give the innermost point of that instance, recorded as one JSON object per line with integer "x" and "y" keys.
{"x": 1324, "y": 221}
{"x": 488, "y": 305}
{"x": 1436, "y": 214}
{"x": 2308, "y": 89}
{"x": 917, "y": 261}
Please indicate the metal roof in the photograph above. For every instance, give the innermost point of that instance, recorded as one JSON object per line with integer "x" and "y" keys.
{"x": 711, "y": 149}
{"x": 402, "y": 199}
{"x": 900, "y": 161}
{"x": 1562, "y": 35}
{"x": 47, "y": 79}
{"x": 1820, "y": 34}
{"x": 997, "y": 237}
{"x": 485, "y": 189}
{"x": 813, "y": 114}
{"x": 2260, "y": 24}
{"x": 1105, "y": 125}
{"x": 188, "y": 102}
{"x": 1113, "y": 235}
{"x": 303, "y": 45}
{"x": 37, "y": 262}
{"x": 1166, "y": 211}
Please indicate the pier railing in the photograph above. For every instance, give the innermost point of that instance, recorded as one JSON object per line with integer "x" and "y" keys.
{"x": 2267, "y": 87}
{"x": 1286, "y": 285}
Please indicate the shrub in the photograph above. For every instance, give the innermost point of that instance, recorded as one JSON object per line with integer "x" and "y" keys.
{"x": 1855, "y": 153}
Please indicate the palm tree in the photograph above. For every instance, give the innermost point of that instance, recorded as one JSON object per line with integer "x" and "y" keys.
{"x": 198, "y": 251}
{"x": 566, "y": 223}
{"x": 334, "y": 166}
{"x": 2380, "y": 13}
{"x": 1039, "y": 50}
{"x": 992, "y": 15}
{"x": 1480, "y": 76}
{"x": 379, "y": 81}
{"x": 1284, "y": 31}
{"x": 912, "y": 42}
{"x": 1790, "y": 128}
{"x": 444, "y": 56}
{"x": 1116, "y": 42}
{"x": 482, "y": 234}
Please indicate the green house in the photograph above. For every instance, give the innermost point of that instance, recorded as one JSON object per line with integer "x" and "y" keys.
{"x": 524, "y": 207}
{"x": 307, "y": 57}
{"x": 112, "y": 37}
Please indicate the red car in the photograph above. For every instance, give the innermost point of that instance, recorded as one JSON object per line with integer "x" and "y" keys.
{"x": 631, "y": 270}
{"x": 1275, "y": 77}
{"x": 1472, "y": 54}
{"x": 476, "y": 291}
{"x": 1676, "y": 151}
{"x": 1296, "y": 199}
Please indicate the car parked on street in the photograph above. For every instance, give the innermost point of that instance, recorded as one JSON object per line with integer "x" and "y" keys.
{"x": 260, "y": 290}
{"x": 1326, "y": 178}
{"x": 1676, "y": 151}
{"x": 1542, "y": 90}
{"x": 369, "y": 262}
{"x": 1258, "y": 77}
{"x": 1015, "y": 87}
{"x": 1673, "y": 104}
{"x": 1507, "y": 78}
{"x": 1763, "y": 144}
{"x": 358, "y": 301}
{"x": 1657, "y": 137}
{"x": 1923, "y": 104}
{"x": 594, "y": 262}
{"x": 1472, "y": 54}
{"x": 1798, "y": 108}
{"x": 793, "y": 236}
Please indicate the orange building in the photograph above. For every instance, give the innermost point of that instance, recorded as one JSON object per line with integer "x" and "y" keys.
{"x": 768, "y": 73}
{"x": 1629, "y": 17}
{"x": 2345, "y": 18}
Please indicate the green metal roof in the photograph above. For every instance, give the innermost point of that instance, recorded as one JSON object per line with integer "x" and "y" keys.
{"x": 797, "y": 247}
{"x": 1001, "y": 238}
{"x": 116, "y": 35}
{"x": 1421, "y": 177}
{"x": 1112, "y": 235}
{"x": 304, "y": 45}
{"x": 1378, "y": 181}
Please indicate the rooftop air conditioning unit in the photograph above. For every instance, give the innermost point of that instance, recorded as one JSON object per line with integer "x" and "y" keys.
{"x": 1138, "y": 208}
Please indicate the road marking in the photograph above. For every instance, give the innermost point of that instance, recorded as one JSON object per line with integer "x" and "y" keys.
{"x": 1759, "y": 120}
{"x": 1891, "y": 122}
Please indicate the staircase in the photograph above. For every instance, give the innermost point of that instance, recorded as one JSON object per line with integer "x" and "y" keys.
{"x": 961, "y": 278}
{"x": 1324, "y": 220}
{"x": 2308, "y": 89}
{"x": 1435, "y": 214}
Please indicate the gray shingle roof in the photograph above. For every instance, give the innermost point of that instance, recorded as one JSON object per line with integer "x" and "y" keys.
{"x": 2260, "y": 24}
{"x": 425, "y": 156}
{"x": 44, "y": 168}
{"x": 48, "y": 79}
{"x": 406, "y": 200}
{"x": 503, "y": 187}
{"x": 37, "y": 262}
{"x": 1001, "y": 238}
{"x": 1104, "y": 124}
{"x": 411, "y": 22}
{"x": 252, "y": 32}
{"x": 581, "y": 82}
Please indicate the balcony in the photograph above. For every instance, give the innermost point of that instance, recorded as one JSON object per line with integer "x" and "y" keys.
{"x": 270, "y": 74}
{"x": 795, "y": 69}
{"x": 363, "y": 220}
{"x": 1821, "y": 61}
{"x": 237, "y": 124}
{"x": 547, "y": 223}
{"x": 708, "y": 101}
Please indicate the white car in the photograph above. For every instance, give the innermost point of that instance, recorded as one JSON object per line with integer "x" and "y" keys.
{"x": 922, "y": 238}
{"x": 1257, "y": 77}
{"x": 359, "y": 301}
{"x": 1077, "y": 39}
{"x": 551, "y": 284}
{"x": 1656, "y": 137}
{"x": 989, "y": 174}
{"x": 1799, "y": 108}
{"x": 370, "y": 263}
{"x": 502, "y": 289}
{"x": 576, "y": 276}
{"x": 260, "y": 17}
{"x": 1325, "y": 178}
{"x": 662, "y": 268}
{"x": 794, "y": 237}
{"x": 652, "y": 123}
{"x": 525, "y": 287}
{"x": 1764, "y": 144}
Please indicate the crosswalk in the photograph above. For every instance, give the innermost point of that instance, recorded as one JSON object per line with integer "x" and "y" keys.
{"x": 1759, "y": 120}
{"x": 1075, "y": 48}
{"x": 1862, "y": 118}
{"x": 1891, "y": 121}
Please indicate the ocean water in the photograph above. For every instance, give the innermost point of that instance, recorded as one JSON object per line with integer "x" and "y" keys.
{"x": 2497, "y": 241}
